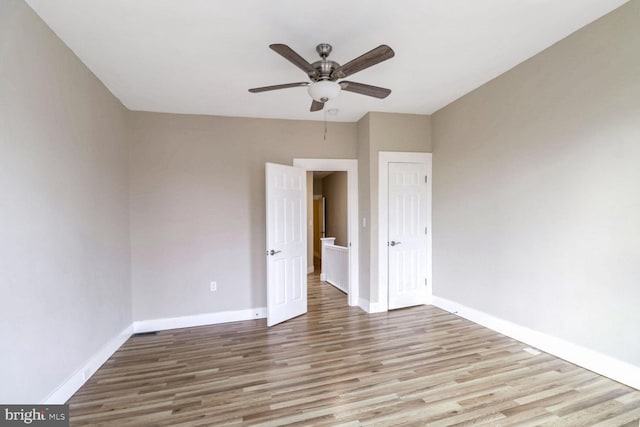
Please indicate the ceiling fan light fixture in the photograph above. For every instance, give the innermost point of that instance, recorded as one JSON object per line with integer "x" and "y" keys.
{"x": 324, "y": 90}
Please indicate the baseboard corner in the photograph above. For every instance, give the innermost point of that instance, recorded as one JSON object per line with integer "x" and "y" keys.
{"x": 72, "y": 384}
{"x": 363, "y": 303}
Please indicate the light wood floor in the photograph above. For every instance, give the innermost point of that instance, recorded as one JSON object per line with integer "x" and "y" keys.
{"x": 338, "y": 366}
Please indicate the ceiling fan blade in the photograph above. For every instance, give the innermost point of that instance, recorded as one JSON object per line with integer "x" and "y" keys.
{"x": 363, "y": 89}
{"x": 373, "y": 57}
{"x": 290, "y": 55}
{"x": 276, "y": 87}
{"x": 316, "y": 106}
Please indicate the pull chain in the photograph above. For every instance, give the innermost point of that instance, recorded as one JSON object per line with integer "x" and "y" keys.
{"x": 325, "y": 125}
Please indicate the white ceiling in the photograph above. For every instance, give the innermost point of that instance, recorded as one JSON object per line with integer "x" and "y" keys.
{"x": 201, "y": 56}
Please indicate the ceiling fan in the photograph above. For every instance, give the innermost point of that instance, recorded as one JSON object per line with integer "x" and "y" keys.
{"x": 325, "y": 73}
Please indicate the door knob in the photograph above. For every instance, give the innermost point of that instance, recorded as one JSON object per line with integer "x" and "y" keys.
{"x": 272, "y": 252}
{"x": 393, "y": 243}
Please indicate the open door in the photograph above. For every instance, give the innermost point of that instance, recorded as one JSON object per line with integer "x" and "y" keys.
{"x": 286, "y": 189}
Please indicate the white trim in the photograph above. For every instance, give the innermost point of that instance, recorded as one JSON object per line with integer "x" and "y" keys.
{"x": 602, "y": 364}
{"x": 199, "y": 320}
{"x": 363, "y": 304}
{"x": 338, "y": 287}
{"x": 384, "y": 158}
{"x": 65, "y": 390}
{"x": 369, "y": 307}
{"x": 351, "y": 167}
{"x": 376, "y": 307}
{"x": 310, "y": 269}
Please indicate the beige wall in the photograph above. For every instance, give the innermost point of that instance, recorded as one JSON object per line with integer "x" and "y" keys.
{"x": 382, "y": 132}
{"x": 536, "y": 191}
{"x": 364, "y": 208}
{"x": 198, "y": 206}
{"x": 317, "y": 186}
{"x": 335, "y": 193}
{"x": 64, "y": 228}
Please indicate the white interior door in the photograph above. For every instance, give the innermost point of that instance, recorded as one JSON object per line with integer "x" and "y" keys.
{"x": 286, "y": 189}
{"x": 407, "y": 235}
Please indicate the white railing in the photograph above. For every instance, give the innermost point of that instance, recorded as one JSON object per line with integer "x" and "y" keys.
{"x": 335, "y": 264}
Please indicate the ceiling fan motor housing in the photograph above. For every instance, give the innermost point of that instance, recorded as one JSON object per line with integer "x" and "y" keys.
{"x": 324, "y": 69}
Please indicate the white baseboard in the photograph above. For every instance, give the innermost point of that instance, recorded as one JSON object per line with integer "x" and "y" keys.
{"x": 599, "y": 363}
{"x": 376, "y": 307}
{"x": 340, "y": 288}
{"x": 77, "y": 379}
{"x": 61, "y": 394}
{"x": 199, "y": 320}
{"x": 323, "y": 277}
{"x": 370, "y": 307}
{"x": 364, "y": 304}
{"x": 310, "y": 269}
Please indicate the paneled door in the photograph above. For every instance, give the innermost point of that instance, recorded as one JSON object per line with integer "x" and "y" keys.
{"x": 286, "y": 189}
{"x": 407, "y": 239}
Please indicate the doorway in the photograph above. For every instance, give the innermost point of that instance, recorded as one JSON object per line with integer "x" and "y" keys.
{"x": 350, "y": 166}
{"x": 329, "y": 237}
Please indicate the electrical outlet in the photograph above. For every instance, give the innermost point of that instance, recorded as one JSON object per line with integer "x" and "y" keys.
{"x": 213, "y": 286}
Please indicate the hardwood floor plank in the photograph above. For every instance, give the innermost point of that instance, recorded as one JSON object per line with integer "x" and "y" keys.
{"x": 338, "y": 366}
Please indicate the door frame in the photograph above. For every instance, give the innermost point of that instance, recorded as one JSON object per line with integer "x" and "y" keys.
{"x": 384, "y": 158}
{"x": 350, "y": 166}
